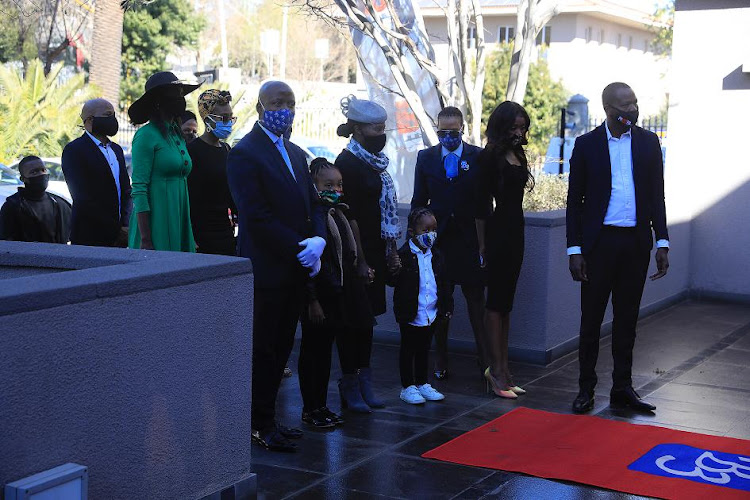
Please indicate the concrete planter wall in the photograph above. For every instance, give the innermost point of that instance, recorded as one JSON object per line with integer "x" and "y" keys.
{"x": 546, "y": 311}
{"x": 133, "y": 363}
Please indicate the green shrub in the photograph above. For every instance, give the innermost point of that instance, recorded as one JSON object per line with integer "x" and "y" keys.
{"x": 550, "y": 193}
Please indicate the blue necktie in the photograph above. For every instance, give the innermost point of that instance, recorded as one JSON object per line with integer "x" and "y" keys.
{"x": 451, "y": 166}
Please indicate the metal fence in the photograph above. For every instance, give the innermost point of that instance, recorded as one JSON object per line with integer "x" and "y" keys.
{"x": 655, "y": 124}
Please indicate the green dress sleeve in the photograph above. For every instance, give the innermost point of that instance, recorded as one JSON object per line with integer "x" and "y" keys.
{"x": 143, "y": 150}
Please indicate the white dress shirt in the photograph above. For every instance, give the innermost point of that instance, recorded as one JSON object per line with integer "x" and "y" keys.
{"x": 279, "y": 143}
{"x": 427, "y": 301}
{"x": 621, "y": 208}
{"x": 114, "y": 164}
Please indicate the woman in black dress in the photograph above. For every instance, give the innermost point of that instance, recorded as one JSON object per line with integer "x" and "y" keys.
{"x": 210, "y": 199}
{"x": 372, "y": 201}
{"x": 503, "y": 178}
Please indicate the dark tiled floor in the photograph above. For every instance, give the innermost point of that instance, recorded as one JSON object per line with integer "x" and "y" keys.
{"x": 692, "y": 360}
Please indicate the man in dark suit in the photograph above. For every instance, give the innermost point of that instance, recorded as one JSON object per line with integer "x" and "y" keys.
{"x": 282, "y": 230}
{"x": 615, "y": 199}
{"x": 97, "y": 177}
{"x": 445, "y": 182}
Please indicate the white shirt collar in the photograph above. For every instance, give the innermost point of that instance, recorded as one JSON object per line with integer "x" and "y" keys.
{"x": 458, "y": 152}
{"x": 610, "y": 136}
{"x": 417, "y": 250}
{"x": 274, "y": 138}
{"x": 97, "y": 141}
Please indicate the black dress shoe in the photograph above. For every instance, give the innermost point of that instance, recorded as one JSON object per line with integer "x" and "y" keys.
{"x": 584, "y": 402}
{"x": 318, "y": 419}
{"x": 273, "y": 440}
{"x": 629, "y": 398}
{"x": 335, "y": 418}
{"x": 289, "y": 432}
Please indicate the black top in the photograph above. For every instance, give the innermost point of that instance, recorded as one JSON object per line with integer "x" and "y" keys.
{"x": 44, "y": 219}
{"x": 406, "y": 286}
{"x": 97, "y": 213}
{"x": 210, "y": 198}
{"x": 362, "y": 187}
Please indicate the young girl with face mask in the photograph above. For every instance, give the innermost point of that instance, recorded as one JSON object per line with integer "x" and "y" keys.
{"x": 421, "y": 298}
{"x": 338, "y": 308}
{"x": 211, "y": 203}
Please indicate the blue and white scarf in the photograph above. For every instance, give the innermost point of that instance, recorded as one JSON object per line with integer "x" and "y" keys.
{"x": 390, "y": 229}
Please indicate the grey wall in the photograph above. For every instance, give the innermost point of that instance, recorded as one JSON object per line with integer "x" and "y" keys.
{"x": 137, "y": 365}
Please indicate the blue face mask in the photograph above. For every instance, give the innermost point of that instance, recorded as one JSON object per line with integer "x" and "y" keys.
{"x": 278, "y": 121}
{"x": 222, "y": 130}
{"x": 426, "y": 240}
{"x": 450, "y": 139}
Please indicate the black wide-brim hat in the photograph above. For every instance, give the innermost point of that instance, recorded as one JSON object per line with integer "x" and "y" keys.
{"x": 140, "y": 110}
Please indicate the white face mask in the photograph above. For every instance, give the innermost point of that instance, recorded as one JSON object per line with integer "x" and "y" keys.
{"x": 426, "y": 240}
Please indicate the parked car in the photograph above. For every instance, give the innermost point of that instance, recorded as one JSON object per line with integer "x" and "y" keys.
{"x": 312, "y": 148}
{"x": 57, "y": 184}
{"x": 9, "y": 183}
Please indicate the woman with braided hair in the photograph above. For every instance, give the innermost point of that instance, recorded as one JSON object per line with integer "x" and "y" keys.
{"x": 211, "y": 204}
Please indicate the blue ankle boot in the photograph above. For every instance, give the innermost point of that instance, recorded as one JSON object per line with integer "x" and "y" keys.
{"x": 351, "y": 398}
{"x": 365, "y": 387}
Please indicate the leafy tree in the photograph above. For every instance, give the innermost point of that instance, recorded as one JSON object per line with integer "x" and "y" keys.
{"x": 543, "y": 100}
{"x": 150, "y": 32}
{"x": 662, "y": 42}
{"x": 40, "y": 113}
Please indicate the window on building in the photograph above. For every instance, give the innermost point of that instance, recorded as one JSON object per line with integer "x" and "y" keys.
{"x": 506, "y": 34}
{"x": 619, "y": 40}
{"x": 472, "y": 37}
{"x": 545, "y": 36}
{"x": 630, "y": 43}
{"x": 600, "y": 37}
{"x": 588, "y": 35}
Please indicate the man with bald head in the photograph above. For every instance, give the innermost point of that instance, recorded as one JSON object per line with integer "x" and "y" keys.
{"x": 615, "y": 201}
{"x": 281, "y": 230}
{"x": 97, "y": 177}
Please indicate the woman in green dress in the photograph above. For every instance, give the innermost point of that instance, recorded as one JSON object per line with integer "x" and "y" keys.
{"x": 161, "y": 165}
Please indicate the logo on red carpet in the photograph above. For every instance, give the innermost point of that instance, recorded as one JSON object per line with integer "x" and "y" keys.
{"x": 728, "y": 470}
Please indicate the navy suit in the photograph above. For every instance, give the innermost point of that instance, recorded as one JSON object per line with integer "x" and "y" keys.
{"x": 97, "y": 216}
{"x": 616, "y": 257}
{"x": 452, "y": 201}
{"x": 276, "y": 212}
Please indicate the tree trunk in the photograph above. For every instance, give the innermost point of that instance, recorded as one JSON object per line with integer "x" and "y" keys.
{"x": 106, "y": 55}
{"x": 531, "y": 18}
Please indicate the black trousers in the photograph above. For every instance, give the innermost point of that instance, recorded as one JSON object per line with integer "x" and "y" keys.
{"x": 276, "y": 312}
{"x": 414, "y": 353}
{"x": 355, "y": 348}
{"x": 314, "y": 364}
{"x": 617, "y": 265}
{"x": 475, "y": 302}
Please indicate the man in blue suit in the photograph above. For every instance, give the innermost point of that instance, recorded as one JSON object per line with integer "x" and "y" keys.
{"x": 94, "y": 169}
{"x": 282, "y": 231}
{"x": 445, "y": 181}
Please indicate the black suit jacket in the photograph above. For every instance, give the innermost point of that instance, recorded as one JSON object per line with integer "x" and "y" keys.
{"x": 97, "y": 218}
{"x": 406, "y": 285}
{"x": 276, "y": 211}
{"x": 448, "y": 197}
{"x": 590, "y": 187}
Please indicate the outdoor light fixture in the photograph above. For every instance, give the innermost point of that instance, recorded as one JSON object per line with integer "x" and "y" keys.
{"x": 66, "y": 482}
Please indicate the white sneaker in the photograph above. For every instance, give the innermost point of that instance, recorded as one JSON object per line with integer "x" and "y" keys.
{"x": 429, "y": 393}
{"x": 412, "y": 396}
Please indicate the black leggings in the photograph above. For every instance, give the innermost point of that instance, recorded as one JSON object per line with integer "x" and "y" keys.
{"x": 414, "y": 353}
{"x": 355, "y": 347}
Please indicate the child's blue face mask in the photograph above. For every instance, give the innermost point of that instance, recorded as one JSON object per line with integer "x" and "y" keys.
{"x": 426, "y": 240}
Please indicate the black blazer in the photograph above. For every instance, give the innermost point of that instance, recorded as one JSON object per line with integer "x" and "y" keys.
{"x": 96, "y": 216}
{"x": 590, "y": 187}
{"x": 406, "y": 286}
{"x": 276, "y": 211}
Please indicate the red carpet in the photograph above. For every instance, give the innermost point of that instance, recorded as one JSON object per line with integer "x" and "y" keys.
{"x": 640, "y": 459}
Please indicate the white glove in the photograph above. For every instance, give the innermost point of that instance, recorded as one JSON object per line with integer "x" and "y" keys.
{"x": 313, "y": 249}
{"x": 315, "y": 269}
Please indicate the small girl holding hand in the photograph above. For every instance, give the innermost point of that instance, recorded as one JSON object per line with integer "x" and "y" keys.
{"x": 421, "y": 297}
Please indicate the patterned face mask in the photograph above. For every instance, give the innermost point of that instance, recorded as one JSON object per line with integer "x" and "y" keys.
{"x": 450, "y": 139}
{"x": 278, "y": 121}
{"x": 331, "y": 197}
{"x": 426, "y": 240}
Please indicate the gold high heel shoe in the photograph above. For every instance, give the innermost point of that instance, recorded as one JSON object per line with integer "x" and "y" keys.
{"x": 491, "y": 382}
{"x": 517, "y": 390}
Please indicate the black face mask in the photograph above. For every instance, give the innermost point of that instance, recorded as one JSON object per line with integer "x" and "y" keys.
{"x": 36, "y": 185}
{"x": 104, "y": 125}
{"x": 627, "y": 118}
{"x": 374, "y": 144}
{"x": 174, "y": 106}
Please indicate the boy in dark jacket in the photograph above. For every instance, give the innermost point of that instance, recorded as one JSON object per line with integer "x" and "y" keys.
{"x": 421, "y": 298}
